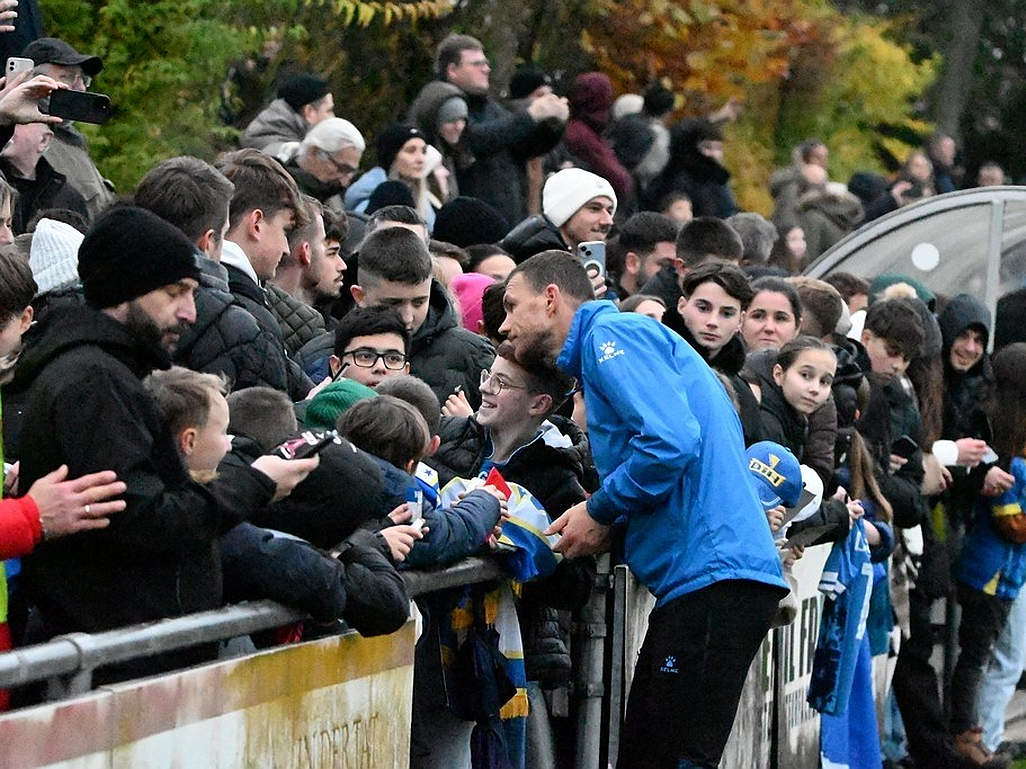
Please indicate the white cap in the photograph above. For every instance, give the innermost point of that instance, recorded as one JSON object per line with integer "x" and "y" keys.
{"x": 53, "y": 255}
{"x": 566, "y": 191}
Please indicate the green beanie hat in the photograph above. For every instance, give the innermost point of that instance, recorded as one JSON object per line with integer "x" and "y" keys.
{"x": 334, "y": 400}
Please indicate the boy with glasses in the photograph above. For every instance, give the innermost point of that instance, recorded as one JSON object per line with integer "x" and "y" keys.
{"x": 371, "y": 344}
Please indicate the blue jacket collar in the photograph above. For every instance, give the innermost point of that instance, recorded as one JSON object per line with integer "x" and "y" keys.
{"x": 569, "y": 359}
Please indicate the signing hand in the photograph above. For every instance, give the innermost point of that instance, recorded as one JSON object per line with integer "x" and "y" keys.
{"x": 581, "y": 534}
{"x": 286, "y": 473}
{"x": 400, "y": 540}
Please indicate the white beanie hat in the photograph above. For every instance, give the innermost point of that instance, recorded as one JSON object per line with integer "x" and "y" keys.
{"x": 567, "y": 190}
{"x": 53, "y": 255}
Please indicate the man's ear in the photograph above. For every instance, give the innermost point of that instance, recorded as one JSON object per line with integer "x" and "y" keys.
{"x": 207, "y": 241}
{"x": 553, "y": 296}
{"x": 187, "y": 441}
{"x": 334, "y": 362}
{"x": 681, "y": 304}
{"x": 44, "y": 141}
{"x": 632, "y": 263}
{"x": 542, "y": 404}
{"x": 307, "y": 113}
{"x": 436, "y": 441}
{"x": 303, "y": 257}
{"x": 254, "y": 223}
{"x": 358, "y": 294}
{"x": 867, "y": 335}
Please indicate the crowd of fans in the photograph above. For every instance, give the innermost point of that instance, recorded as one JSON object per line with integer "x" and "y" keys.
{"x": 162, "y": 355}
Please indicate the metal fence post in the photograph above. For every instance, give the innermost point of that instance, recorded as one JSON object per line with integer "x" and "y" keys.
{"x": 589, "y": 638}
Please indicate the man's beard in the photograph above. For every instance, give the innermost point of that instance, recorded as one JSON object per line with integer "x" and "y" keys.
{"x": 142, "y": 326}
{"x": 537, "y": 350}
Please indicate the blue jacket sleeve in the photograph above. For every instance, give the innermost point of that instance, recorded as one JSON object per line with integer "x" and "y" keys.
{"x": 455, "y": 532}
{"x": 666, "y": 437}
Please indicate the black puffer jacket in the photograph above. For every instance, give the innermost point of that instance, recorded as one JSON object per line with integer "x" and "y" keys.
{"x": 780, "y": 422}
{"x": 532, "y": 236}
{"x": 253, "y": 299}
{"x": 444, "y": 354}
{"x": 729, "y": 361}
{"x": 299, "y": 321}
{"x": 225, "y": 339}
{"x": 361, "y": 586}
{"x": 159, "y": 557}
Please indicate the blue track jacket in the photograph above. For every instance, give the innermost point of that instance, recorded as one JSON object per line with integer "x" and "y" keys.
{"x": 667, "y": 444}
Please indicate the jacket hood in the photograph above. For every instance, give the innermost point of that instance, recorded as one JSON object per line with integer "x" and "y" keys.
{"x": 532, "y": 236}
{"x": 590, "y": 97}
{"x": 80, "y": 326}
{"x": 959, "y": 314}
{"x": 837, "y": 204}
{"x": 424, "y": 110}
{"x": 564, "y": 443}
{"x": 729, "y": 359}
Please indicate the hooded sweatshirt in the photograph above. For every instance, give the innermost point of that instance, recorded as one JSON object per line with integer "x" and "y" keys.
{"x": 591, "y": 96}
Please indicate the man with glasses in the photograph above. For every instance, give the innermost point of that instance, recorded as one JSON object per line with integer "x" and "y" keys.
{"x": 371, "y": 344}
{"x": 68, "y": 153}
{"x": 500, "y": 140}
{"x": 327, "y": 160}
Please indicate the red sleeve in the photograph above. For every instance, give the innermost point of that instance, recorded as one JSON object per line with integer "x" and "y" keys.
{"x": 20, "y": 528}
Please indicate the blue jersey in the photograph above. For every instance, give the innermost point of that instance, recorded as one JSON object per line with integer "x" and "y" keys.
{"x": 846, "y": 583}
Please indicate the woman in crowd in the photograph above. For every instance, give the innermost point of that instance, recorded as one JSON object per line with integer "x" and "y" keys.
{"x": 402, "y": 156}
{"x": 774, "y": 315}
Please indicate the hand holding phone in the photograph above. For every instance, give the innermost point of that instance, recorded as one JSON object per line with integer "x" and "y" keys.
{"x": 592, "y": 254}
{"x": 17, "y": 64}
{"x": 904, "y": 447}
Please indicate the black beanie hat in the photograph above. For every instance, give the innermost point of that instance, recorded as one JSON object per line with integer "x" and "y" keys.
{"x": 129, "y": 252}
{"x": 389, "y": 193}
{"x": 392, "y": 139}
{"x": 658, "y": 100}
{"x": 467, "y": 221}
{"x": 525, "y": 81}
{"x": 302, "y": 89}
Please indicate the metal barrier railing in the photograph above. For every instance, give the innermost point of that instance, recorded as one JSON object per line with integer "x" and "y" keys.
{"x": 68, "y": 661}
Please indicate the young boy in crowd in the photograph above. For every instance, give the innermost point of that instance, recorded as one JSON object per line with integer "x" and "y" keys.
{"x": 396, "y": 433}
{"x": 371, "y": 343}
{"x": 357, "y": 582}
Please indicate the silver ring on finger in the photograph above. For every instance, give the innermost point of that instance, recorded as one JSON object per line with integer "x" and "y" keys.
{"x": 87, "y": 509}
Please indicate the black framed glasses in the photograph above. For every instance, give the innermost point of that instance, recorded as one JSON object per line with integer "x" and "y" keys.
{"x": 366, "y": 357}
{"x": 498, "y": 383}
{"x": 342, "y": 168}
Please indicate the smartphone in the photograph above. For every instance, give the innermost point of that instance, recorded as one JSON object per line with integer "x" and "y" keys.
{"x": 80, "y": 105}
{"x": 904, "y": 446}
{"x": 592, "y": 254}
{"x": 307, "y": 445}
{"x": 17, "y": 64}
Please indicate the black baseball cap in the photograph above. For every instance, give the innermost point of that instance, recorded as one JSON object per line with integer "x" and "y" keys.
{"x": 51, "y": 50}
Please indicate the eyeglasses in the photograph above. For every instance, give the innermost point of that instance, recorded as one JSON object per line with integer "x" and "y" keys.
{"x": 342, "y": 168}
{"x": 490, "y": 379}
{"x": 365, "y": 357}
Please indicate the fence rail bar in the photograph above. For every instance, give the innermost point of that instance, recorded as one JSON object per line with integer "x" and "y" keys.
{"x": 69, "y": 654}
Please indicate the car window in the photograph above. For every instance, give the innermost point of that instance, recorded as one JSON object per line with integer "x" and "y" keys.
{"x": 947, "y": 251}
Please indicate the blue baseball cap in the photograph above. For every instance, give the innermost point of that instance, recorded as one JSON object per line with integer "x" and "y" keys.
{"x": 778, "y": 476}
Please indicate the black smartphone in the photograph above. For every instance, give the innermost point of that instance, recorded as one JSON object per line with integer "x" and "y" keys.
{"x": 904, "y": 446}
{"x": 82, "y": 106}
{"x": 307, "y": 445}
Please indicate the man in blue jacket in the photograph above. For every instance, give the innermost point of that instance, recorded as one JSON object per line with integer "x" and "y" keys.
{"x": 667, "y": 444}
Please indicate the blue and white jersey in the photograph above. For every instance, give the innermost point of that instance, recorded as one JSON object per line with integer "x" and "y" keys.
{"x": 847, "y": 584}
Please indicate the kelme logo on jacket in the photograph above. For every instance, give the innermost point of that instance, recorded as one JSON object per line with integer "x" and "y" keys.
{"x": 609, "y": 351}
